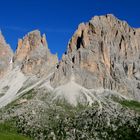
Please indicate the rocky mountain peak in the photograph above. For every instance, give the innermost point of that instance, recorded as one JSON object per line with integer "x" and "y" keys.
{"x": 6, "y": 55}
{"x": 2, "y": 40}
{"x": 33, "y": 40}
{"x": 103, "y": 53}
{"x": 33, "y": 53}
{"x": 99, "y": 26}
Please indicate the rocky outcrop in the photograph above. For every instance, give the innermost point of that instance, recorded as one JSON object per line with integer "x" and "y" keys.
{"x": 103, "y": 53}
{"x": 33, "y": 55}
{"x": 6, "y": 55}
{"x": 31, "y": 65}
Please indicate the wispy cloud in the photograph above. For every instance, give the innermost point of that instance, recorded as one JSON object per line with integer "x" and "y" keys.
{"x": 15, "y": 28}
{"x": 53, "y": 30}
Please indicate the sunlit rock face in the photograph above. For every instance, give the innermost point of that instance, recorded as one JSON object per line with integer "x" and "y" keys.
{"x": 6, "y": 55}
{"x": 33, "y": 55}
{"x": 103, "y": 53}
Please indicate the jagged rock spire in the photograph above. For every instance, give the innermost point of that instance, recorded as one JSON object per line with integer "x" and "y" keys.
{"x": 6, "y": 55}
{"x": 2, "y": 40}
{"x": 33, "y": 55}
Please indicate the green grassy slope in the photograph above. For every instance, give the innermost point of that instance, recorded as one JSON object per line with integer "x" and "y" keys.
{"x": 9, "y": 132}
{"x": 11, "y": 136}
{"x": 134, "y": 105}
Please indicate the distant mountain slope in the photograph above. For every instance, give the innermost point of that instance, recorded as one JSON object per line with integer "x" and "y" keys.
{"x": 6, "y": 55}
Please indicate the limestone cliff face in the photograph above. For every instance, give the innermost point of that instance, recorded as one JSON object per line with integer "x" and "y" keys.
{"x": 6, "y": 55}
{"x": 33, "y": 55}
{"x": 103, "y": 53}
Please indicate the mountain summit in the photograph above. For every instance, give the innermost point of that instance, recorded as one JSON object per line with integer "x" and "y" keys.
{"x": 103, "y": 53}
{"x": 33, "y": 54}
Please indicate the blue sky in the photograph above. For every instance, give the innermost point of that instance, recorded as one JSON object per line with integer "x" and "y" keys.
{"x": 58, "y": 19}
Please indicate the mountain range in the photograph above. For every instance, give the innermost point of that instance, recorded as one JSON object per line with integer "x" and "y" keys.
{"x": 100, "y": 69}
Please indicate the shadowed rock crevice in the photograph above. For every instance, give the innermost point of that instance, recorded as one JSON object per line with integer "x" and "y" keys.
{"x": 80, "y": 41}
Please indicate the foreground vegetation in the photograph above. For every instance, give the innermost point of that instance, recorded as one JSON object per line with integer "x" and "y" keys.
{"x": 41, "y": 119}
{"x": 8, "y": 131}
{"x": 78, "y": 123}
{"x": 134, "y": 105}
